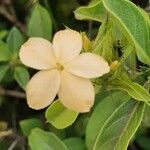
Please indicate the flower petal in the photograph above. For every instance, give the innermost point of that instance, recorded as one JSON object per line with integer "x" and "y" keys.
{"x": 88, "y": 65}
{"x": 42, "y": 88}
{"x": 76, "y": 93}
{"x": 67, "y": 44}
{"x": 37, "y": 53}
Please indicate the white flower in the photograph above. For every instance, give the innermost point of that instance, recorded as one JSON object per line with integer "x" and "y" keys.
{"x": 64, "y": 71}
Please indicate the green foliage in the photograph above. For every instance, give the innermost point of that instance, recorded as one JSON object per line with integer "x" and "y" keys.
{"x": 14, "y": 40}
{"x": 21, "y": 75}
{"x": 134, "y": 25}
{"x": 106, "y": 107}
{"x": 28, "y": 124}
{"x": 3, "y": 34}
{"x": 59, "y": 116}
{"x": 111, "y": 130}
{"x": 117, "y": 30}
{"x": 43, "y": 140}
{"x": 5, "y": 54}
{"x": 3, "y": 70}
{"x": 75, "y": 143}
{"x": 134, "y": 89}
{"x": 144, "y": 142}
{"x": 104, "y": 43}
{"x": 40, "y": 23}
{"x": 94, "y": 11}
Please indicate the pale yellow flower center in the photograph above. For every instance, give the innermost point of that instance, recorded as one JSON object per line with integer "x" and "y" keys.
{"x": 60, "y": 67}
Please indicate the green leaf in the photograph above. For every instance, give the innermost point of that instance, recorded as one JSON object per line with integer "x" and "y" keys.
{"x": 3, "y": 70}
{"x": 59, "y": 116}
{"x": 42, "y": 140}
{"x": 5, "y": 54}
{"x": 75, "y": 143}
{"x": 94, "y": 11}
{"x": 28, "y": 124}
{"x": 22, "y": 76}
{"x": 103, "y": 45}
{"x": 102, "y": 112}
{"x": 119, "y": 128}
{"x": 14, "y": 40}
{"x": 135, "y": 90}
{"x": 146, "y": 118}
{"x": 94, "y": 2}
{"x": 40, "y": 24}
{"x": 134, "y": 24}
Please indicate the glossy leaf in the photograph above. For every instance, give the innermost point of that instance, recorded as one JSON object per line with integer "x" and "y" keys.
{"x": 21, "y": 75}
{"x": 100, "y": 115}
{"x": 134, "y": 24}
{"x": 5, "y": 54}
{"x": 28, "y": 124}
{"x": 59, "y": 116}
{"x": 43, "y": 140}
{"x": 40, "y": 24}
{"x": 3, "y": 70}
{"x": 94, "y": 11}
{"x": 15, "y": 40}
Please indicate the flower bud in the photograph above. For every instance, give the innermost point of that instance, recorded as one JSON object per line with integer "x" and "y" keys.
{"x": 87, "y": 44}
{"x": 114, "y": 65}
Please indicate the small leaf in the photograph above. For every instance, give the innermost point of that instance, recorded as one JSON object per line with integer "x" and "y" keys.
{"x": 135, "y": 90}
{"x": 29, "y": 124}
{"x": 75, "y": 143}
{"x": 94, "y": 11}
{"x": 15, "y": 40}
{"x": 59, "y": 116}
{"x": 134, "y": 24}
{"x": 5, "y": 54}
{"x": 43, "y": 140}
{"x": 3, "y": 70}
{"x": 22, "y": 76}
{"x": 40, "y": 24}
{"x": 101, "y": 113}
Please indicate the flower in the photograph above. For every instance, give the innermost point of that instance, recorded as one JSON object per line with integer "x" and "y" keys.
{"x": 63, "y": 70}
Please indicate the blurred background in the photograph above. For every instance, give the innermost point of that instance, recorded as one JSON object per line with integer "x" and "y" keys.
{"x": 13, "y": 107}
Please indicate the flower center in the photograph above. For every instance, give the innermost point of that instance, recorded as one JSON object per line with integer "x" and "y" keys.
{"x": 60, "y": 67}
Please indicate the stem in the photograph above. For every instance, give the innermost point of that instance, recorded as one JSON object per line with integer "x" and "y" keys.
{"x": 11, "y": 93}
{"x": 7, "y": 10}
{"x": 14, "y": 143}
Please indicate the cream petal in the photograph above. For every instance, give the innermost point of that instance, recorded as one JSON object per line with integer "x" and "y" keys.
{"x": 38, "y": 53}
{"x": 42, "y": 88}
{"x": 88, "y": 65}
{"x": 67, "y": 45}
{"x": 76, "y": 93}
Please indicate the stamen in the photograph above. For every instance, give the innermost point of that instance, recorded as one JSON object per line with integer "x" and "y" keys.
{"x": 60, "y": 67}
